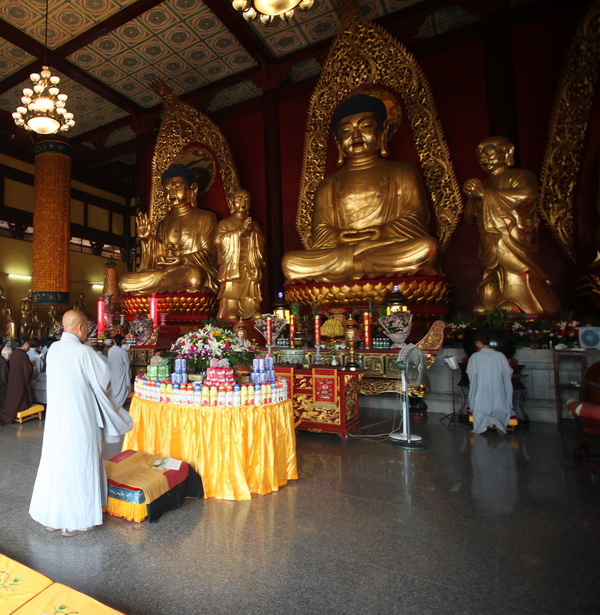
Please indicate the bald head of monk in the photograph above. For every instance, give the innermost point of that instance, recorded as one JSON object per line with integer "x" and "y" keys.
{"x": 76, "y": 322}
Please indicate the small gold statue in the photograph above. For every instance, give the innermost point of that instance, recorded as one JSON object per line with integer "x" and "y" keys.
{"x": 80, "y": 305}
{"x": 371, "y": 217}
{"x": 8, "y": 328}
{"x": 180, "y": 254}
{"x": 25, "y": 315}
{"x": 240, "y": 249}
{"x": 504, "y": 208}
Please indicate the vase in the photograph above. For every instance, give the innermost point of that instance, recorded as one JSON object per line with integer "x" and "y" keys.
{"x": 398, "y": 338}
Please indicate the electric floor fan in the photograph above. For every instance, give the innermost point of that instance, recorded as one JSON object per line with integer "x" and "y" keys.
{"x": 411, "y": 363}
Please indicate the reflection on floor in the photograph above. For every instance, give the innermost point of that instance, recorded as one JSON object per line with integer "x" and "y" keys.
{"x": 471, "y": 524}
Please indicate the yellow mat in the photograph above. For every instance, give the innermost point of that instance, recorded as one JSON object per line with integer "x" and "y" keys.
{"x": 18, "y": 585}
{"x": 59, "y": 598}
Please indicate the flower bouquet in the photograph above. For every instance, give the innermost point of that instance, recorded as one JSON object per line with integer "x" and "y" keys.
{"x": 397, "y": 327}
{"x": 211, "y": 342}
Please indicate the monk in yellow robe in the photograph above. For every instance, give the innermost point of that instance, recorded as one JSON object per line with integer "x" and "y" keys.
{"x": 371, "y": 217}
{"x": 180, "y": 255}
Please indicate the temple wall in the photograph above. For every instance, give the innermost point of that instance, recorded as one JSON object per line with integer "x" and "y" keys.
{"x": 539, "y": 402}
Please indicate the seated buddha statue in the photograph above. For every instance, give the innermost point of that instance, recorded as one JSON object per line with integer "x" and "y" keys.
{"x": 179, "y": 256}
{"x": 370, "y": 217}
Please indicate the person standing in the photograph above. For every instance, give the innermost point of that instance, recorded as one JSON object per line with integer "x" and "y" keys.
{"x": 18, "y": 391}
{"x": 70, "y": 488}
{"x": 120, "y": 374}
{"x": 490, "y": 388}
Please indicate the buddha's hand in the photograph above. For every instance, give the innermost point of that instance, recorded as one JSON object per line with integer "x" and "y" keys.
{"x": 370, "y": 233}
{"x": 473, "y": 188}
{"x": 168, "y": 261}
{"x": 143, "y": 224}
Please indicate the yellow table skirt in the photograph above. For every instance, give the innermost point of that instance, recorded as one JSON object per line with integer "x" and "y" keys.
{"x": 236, "y": 450}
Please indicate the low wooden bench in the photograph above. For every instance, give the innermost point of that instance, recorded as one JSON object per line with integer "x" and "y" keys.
{"x": 32, "y": 412}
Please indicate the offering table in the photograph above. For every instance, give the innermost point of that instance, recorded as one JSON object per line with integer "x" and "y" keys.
{"x": 237, "y": 450}
{"x": 325, "y": 399}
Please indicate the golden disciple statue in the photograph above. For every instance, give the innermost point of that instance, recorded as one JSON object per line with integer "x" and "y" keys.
{"x": 240, "y": 249}
{"x": 371, "y": 217}
{"x": 180, "y": 254}
{"x": 504, "y": 209}
{"x": 25, "y": 315}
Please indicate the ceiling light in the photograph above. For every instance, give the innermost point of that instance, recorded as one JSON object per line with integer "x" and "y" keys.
{"x": 267, "y": 10}
{"x": 44, "y": 112}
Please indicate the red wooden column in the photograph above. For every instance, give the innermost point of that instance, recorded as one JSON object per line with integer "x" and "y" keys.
{"x": 51, "y": 224}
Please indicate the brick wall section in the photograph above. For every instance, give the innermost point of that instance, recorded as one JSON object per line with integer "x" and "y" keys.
{"x": 51, "y": 223}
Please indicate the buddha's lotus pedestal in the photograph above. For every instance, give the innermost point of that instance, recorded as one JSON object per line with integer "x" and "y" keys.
{"x": 180, "y": 307}
{"x": 426, "y": 295}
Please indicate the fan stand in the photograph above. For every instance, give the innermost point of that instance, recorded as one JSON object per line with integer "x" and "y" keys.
{"x": 453, "y": 416}
{"x": 408, "y": 441}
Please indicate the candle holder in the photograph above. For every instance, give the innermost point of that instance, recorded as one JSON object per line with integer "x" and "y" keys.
{"x": 351, "y": 337}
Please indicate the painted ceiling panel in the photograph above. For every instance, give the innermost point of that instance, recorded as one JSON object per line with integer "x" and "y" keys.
{"x": 12, "y": 58}
{"x": 66, "y": 18}
{"x": 181, "y": 42}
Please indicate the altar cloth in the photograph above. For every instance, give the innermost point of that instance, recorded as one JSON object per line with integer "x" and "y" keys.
{"x": 237, "y": 450}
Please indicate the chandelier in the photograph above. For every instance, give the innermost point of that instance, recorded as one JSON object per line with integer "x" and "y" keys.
{"x": 43, "y": 109}
{"x": 267, "y": 10}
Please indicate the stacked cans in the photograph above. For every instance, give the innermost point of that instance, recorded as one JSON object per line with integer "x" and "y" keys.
{"x": 179, "y": 376}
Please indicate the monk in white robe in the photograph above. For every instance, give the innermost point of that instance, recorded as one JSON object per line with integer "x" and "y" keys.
{"x": 490, "y": 388}
{"x": 120, "y": 373}
{"x": 71, "y": 488}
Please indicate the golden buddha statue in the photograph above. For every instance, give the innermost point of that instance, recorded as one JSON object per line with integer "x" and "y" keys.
{"x": 240, "y": 249}
{"x": 8, "y": 328}
{"x": 504, "y": 207}
{"x": 371, "y": 217}
{"x": 179, "y": 256}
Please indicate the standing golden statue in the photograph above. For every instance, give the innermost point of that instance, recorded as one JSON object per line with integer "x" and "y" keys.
{"x": 371, "y": 217}
{"x": 504, "y": 208}
{"x": 25, "y": 315}
{"x": 80, "y": 305}
{"x": 179, "y": 256}
{"x": 240, "y": 249}
{"x": 8, "y": 328}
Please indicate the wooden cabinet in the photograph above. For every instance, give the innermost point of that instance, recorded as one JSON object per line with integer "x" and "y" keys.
{"x": 325, "y": 399}
{"x": 569, "y": 368}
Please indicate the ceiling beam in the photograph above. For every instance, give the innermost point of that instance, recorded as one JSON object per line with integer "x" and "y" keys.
{"x": 240, "y": 28}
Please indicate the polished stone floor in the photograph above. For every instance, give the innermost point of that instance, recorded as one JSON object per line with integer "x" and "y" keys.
{"x": 472, "y": 524}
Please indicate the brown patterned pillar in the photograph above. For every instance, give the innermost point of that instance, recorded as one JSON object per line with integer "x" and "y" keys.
{"x": 51, "y": 224}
